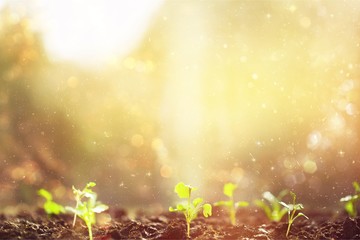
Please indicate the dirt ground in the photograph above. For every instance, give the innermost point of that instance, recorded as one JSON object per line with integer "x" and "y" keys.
{"x": 250, "y": 225}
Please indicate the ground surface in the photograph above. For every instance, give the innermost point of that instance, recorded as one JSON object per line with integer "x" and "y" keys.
{"x": 251, "y": 225}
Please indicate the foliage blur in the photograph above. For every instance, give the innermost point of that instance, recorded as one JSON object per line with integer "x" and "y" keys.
{"x": 261, "y": 93}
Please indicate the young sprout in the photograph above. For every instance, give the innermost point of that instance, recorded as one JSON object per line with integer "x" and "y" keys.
{"x": 273, "y": 210}
{"x": 190, "y": 209}
{"x": 350, "y": 201}
{"x": 291, "y": 209}
{"x": 229, "y": 189}
{"x": 50, "y": 206}
{"x": 86, "y": 209}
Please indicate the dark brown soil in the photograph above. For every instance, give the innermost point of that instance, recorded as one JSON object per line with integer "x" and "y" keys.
{"x": 251, "y": 225}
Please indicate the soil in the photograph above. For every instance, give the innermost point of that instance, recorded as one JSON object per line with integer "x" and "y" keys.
{"x": 251, "y": 225}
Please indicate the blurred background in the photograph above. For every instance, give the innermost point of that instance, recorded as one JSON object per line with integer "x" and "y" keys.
{"x": 139, "y": 95}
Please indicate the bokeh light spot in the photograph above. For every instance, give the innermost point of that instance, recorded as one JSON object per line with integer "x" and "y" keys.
{"x": 310, "y": 166}
{"x": 166, "y": 171}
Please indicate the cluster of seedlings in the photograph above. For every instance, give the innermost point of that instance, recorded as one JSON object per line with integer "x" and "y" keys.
{"x": 86, "y": 205}
{"x": 274, "y": 209}
{"x": 273, "y": 206}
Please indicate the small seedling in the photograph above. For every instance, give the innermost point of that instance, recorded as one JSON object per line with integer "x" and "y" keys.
{"x": 50, "y": 206}
{"x": 291, "y": 209}
{"x": 350, "y": 201}
{"x": 229, "y": 189}
{"x": 190, "y": 209}
{"x": 86, "y": 209}
{"x": 273, "y": 210}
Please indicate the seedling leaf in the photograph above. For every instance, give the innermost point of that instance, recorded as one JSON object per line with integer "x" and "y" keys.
{"x": 207, "y": 210}
{"x": 229, "y": 189}
{"x": 100, "y": 208}
{"x": 300, "y": 215}
{"x": 223, "y": 203}
{"x": 183, "y": 191}
{"x": 197, "y": 201}
{"x": 50, "y": 206}
{"x": 44, "y": 193}
{"x": 241, "y": 204}
{"x": 269, "y": 196}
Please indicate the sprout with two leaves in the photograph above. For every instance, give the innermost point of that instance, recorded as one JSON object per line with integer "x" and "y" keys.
{"x": 86, "y": 209}
{"x": 190, "y": 209}
{"x": 229, "y": 189}
{"x": 291, "y": 209}
{"x": 50, "y": 207}
{"x": 350, "y": 201}
{"x": 272, "y": 208}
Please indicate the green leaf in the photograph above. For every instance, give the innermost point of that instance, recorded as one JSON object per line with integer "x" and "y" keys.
{"x": 288, "y": 206}
{"x": 241, "y": 204}
{"x": 181, "y": 207}
{"x": 282, "y": 194}
{"x": 349, "y": 208}
{"x": 197, "y": 201}
{"x": 223, "y": 203}
{"x": 300, "y": 215}
{"x": 90, "y": 184}
{"x": 90, "y": 195}
{"x": 100, "y": 208}
{"x": 171, "y": 209}
{"x": 298, "y": 206}
{"x": 356, "y": 186}
{"x": 51, "y": 207}
{"x": 347, "y": 198}
{"x": 269, "y": 196}
{"x": 44, "y": 193}
{"x": 73, "y": 210}
{"x": 229, "y": 189}
{"x": 207, "y": 210}
{"x": 182, "y": 190}
{"x": 281, "y": 213}
{"x": 265, "y": 207}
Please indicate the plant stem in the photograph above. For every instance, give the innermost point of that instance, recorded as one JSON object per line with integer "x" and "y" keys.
{"x": 90, "y": 231}
{"x": 188, "y": 215}
{"x": 232, "y": 216}
{"x": 288, "y": 228}
{"x": 77, "y": 203}
{"x": 291, "y": 217}
{"x": 232, "y": 211}
{"x": 188, "y": 229}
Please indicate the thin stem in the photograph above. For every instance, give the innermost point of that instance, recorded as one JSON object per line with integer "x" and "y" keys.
{"x": 291, "y": 217}
{"x": 188, "y": 229}
{"x": 188, "y": 214}
{"x": 77, "y": 203}
{"x": 90, "y": 231}
{"x": 232, "y": 211}
{"x": 288, "y": 229}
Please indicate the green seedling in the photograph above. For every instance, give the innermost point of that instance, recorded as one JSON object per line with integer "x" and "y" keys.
{"x": 50, "y": 207}
{"x": 351, "y": 200}
{"x": 190, "y": 209}
{"x": 291, "y": 209}
{"x": 229, "y": 189}
{"x": 86, "y": 209}
{"x": 272, "y": 208}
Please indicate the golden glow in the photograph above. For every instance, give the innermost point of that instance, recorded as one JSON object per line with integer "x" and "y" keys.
{"x": 211, "y": 91}
{"x": 92, "y": 32}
